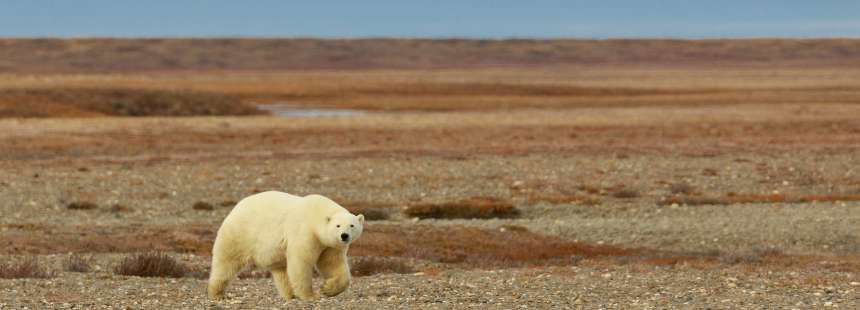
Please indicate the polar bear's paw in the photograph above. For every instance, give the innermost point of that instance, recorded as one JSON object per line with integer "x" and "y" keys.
{"x": 335, "y": 286}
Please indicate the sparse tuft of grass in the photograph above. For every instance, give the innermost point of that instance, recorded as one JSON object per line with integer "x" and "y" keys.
{"x": 371, "y": 265}
{"x": 681, "y": 188}
{"x": 513, "y": 228}
{"x": 154, "y": 264}
{"x": 475, "y": 207}
{"x": 77, "y": 263}
{"x": 589, "y": 189}
{"x": 118, "y": 208}
{"x": 203, "y": 206}
{"x": 625, "y": 193}
{"x": 81, "y": 205}
{"x": 27, "y": 268}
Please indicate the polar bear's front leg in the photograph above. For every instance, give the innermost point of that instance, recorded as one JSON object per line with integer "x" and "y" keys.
{"x": 300, "y": 271}
{"x": 335, "y": 269}
{"x": 282, "y": 282}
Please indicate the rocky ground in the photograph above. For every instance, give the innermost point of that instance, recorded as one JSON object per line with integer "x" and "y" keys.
{"x": 780, "y": 228}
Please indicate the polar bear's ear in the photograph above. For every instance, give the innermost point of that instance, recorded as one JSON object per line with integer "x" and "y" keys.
{"x": 360, "y": 218}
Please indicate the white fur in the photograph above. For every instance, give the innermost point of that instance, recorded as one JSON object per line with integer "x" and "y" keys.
{"x": 289, "y": 235}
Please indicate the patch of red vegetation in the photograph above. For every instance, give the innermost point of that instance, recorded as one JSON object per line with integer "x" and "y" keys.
{"x": 474, "y": 247}
{"x": 475, "y": 207}
{"x": 733, "y": 198}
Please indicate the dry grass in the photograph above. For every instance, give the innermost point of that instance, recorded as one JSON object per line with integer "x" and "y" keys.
{"x": 232, "y": 93}
{"x": 77, "y": 263}
{"x": 733, "y": 198}
{"x": 152, "y": 264}
{"x": 625, "y": 193}
{"x": 29, "y": 267}
{"x": 203, "y": 206}
{"x": 681, "y": 188}
{"x": 79, "y": 102}
{"x": 514, "y": 228}
{"x": 129, "y": 55}
{"x": 471, "y": 208}
{"x": 370, "y": 265}
{"x": 119, "y": 208}
{"x": 473, "y": 247}
{"x": 81, "y": 205}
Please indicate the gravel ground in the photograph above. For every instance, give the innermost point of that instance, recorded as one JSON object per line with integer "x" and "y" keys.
{"x": 758, "y": 255}
{"x": 556, "y": 287}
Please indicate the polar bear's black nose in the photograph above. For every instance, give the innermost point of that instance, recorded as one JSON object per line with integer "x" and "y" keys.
{"x": 344, "y": 237}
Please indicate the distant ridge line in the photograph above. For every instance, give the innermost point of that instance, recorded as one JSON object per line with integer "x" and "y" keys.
{"x": 98, "y": 55}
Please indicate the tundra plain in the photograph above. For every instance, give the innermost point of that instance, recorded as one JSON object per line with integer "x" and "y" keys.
{"x": 635, "y": 184}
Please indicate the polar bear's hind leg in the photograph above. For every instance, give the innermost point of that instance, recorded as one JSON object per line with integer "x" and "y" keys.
{"x": 223, "y": 270}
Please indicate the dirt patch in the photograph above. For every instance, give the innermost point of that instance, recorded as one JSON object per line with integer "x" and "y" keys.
{"x": 560, "y": 198}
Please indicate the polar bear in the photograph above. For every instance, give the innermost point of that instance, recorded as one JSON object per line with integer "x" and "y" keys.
{"x": 289, "y": 235}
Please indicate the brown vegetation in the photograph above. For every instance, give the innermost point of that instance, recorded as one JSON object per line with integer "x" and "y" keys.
{"x": 81, "y": 205}
{"x": 125, "y": 55}
{"x": 29, "y": 267}
{"x": 733, "y": 198}
{"x": 681, "y": 188}
{"x": 371, "y": 265}
{"x": 625, "y": 193}
{"x": 79, "y": 102}
{"x": 203, "y": 206}
{"x": 475, "y": 207}
{"x": 77, "y": 263}
{"x": 474, "y": 247}
{"x": 151, "y": 264}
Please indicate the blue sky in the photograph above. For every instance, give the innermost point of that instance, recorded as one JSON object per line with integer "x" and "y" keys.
{"x": 440, "y": 18}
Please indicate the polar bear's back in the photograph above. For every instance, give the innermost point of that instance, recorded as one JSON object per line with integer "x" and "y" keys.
{"x": 257, "y": 228}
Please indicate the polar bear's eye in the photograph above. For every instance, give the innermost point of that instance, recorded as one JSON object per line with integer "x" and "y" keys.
{"x": 338, "y": 226}
{"x": 351, "y": 225}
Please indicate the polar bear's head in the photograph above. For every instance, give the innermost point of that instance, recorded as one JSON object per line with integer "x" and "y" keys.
{"x": 342, "y": 229}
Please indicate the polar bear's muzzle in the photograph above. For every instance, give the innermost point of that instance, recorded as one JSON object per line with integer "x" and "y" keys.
{"x": 344, "y": 237}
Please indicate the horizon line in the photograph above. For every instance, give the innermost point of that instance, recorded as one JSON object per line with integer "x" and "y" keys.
{"x": 470, "y": 38}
